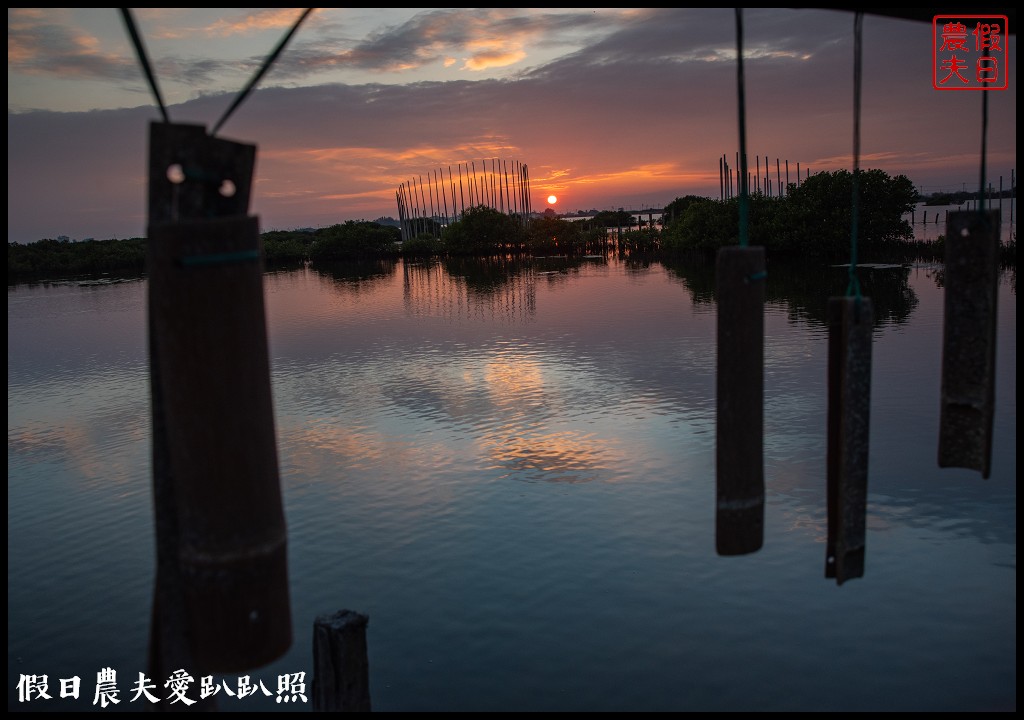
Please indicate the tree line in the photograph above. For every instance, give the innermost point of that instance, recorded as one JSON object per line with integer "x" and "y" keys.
{"x": 812, "y": 220}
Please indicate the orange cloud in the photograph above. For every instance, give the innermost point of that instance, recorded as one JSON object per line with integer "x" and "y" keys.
{"x": 271, "y": 19}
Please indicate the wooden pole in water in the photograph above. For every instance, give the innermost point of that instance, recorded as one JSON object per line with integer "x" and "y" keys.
{"x": 529, "y": 195}
{"x": 444, "y": 194}
{"x": 433, "y": 213}
{"x": 404, "y": 190}
{"x": 341, "y": 673}
{"x": 451, "y": 189}
{"x": 488, "y": 180}
{"x": 516, "y": 192}
{"x": 496, "y": 184}
{"x": 462, "y": 196}
{"x": 504, "y": 176}
{"x": 471, "y": 181}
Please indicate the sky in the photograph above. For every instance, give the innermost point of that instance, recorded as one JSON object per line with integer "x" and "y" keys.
{"x": 607, "y": 107}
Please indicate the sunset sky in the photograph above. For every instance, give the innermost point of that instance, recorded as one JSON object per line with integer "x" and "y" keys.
{"x": 607, "y": 107}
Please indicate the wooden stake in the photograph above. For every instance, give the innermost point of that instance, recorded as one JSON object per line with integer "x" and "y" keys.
{"x": 849, "y": 407}
{"x": 969, "y": 341}
{"x": 341, "y": 675}
{"x": 218, "y": 501}
{"x": 740, "y": 419}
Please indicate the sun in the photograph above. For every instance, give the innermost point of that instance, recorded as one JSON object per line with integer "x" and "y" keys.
{"x": 552, "y": 199}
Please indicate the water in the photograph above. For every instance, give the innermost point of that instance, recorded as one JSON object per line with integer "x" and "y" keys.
{"x": 511, "y": 471}
{"x": 929, "y": 221}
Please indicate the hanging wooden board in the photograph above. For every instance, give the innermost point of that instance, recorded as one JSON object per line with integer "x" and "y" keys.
{"x": 850, "y": 324}
{"x": 214, "y": 437}
{"x": 969, "y": 341}
{"x": 739, "y": 450}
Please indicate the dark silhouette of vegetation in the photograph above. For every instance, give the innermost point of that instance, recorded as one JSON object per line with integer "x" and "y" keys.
{"x": 286, "y": 247}
{"x": 355, "y": 240}
{"x": 680, "y": 205}
{"x": 482, "y": 230}
{"x": 62, "y": 258}
{"x": 612, "y": 219}
{"x": 811, "y": 221}
{"x": 816, "y": 217}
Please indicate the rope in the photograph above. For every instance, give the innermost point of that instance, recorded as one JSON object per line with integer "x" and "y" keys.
{"x": 984, "y": 135}
{"x": 853, "y": 287}
{"x": 140, "y": 50}
{"x": 262, "y": 71}
{"x": 144, "y": 61}
{"x": 744, "y": 201}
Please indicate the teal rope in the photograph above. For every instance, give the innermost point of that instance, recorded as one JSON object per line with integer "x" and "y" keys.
{"x": 853, "y": 287}
{"x": 744, "y": 200}
{"x": 262, "y": 71}
{"x": 220, "y": 258}
{"x": 140, "y": 50}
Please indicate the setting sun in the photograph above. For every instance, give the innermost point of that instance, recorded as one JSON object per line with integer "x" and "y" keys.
{"x": 552, "y": 199}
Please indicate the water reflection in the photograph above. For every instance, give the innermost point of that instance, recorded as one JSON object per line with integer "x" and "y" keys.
{"x": 358, "y": 272}
{"x": 457, "y": 288}
{"x": 804, "y": 289}
{"x": 538, "y": 475}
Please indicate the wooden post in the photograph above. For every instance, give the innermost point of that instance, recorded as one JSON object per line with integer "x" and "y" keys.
{"x": 341, "y": 674}
{"x": 220, "y": 521}
{"x": 969, "y": 341}
{"x": 721, "y": 176}
{"x": 849, "y": 407}
{"x": 739, "y": 527}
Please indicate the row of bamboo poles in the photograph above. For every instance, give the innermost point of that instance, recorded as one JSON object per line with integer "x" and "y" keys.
{"x": 729, "y": 178}
{"x": 425, "y": 207}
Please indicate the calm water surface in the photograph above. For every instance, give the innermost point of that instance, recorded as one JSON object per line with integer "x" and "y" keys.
{"x": 511, "y": 471}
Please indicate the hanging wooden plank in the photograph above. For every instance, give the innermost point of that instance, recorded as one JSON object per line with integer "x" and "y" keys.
{"x": 850, "y": 321}
{"x": 739, "y": 519}
{"x": 969, "y": 341}
{"x": 213, "y": 413}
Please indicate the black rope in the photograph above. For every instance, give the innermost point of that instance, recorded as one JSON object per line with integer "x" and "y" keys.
{"x": 140, "y": 50}
{"x": 984, "y": 135}
{"x": 262, "y": 71}
{"x": 744, "y": 190}
{"x": 858, "y": 24}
